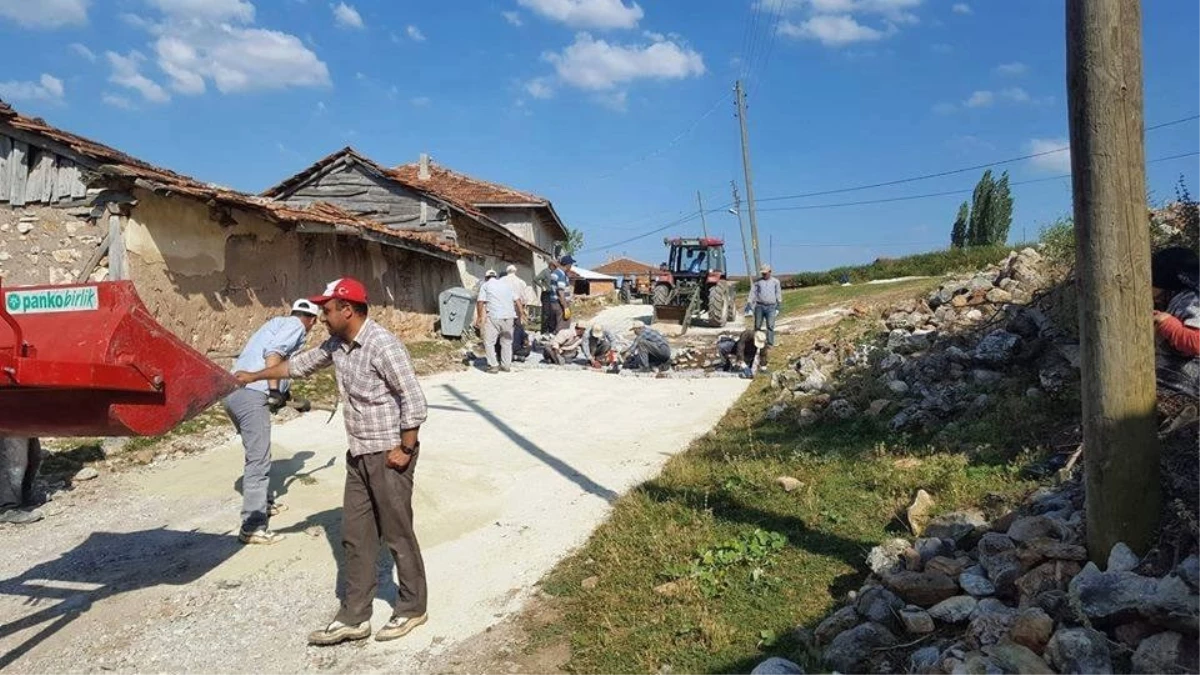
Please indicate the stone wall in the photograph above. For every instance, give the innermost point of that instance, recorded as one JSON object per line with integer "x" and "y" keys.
{"x": 46, "y": 245}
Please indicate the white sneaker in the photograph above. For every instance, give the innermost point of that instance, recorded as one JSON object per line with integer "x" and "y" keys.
{"x": 399, "y": 626}
{"x": 259, "y": 536}
{"x": 337, "y": 632}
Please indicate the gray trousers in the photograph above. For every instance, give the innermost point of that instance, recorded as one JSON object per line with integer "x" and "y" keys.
{"x": 19, "y": 461}
{"x": 248, "y": 410}
{"x": 502, "y": 330}
{"x": 378, "y": 503}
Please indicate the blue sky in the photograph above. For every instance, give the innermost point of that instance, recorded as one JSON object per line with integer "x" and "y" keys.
{"x": 617, "y": 111}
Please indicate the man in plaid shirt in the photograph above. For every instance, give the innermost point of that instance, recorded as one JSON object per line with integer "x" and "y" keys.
{"x": 384, "y": 408}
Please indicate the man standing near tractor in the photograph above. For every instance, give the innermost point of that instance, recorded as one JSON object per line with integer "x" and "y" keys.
{"x": 765, "y": 297}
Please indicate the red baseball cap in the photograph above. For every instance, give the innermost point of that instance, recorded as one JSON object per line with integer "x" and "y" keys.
{"x": 350, "y": 290}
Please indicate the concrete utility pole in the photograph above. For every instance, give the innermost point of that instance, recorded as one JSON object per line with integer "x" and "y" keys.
{"x": 1108, "y": 169}
{"x": 703, "y": 222}
{"x": 740, "y": 95}
{"x": 737, "y": 209}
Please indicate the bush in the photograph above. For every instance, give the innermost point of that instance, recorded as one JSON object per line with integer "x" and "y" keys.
{"x": 1058, "y": 240}
{"x": 935, "y": 263}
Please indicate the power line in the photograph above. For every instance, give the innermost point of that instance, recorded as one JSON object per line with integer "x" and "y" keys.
{"x": 905, "y": 198}
{"x": 690, "y": 217}
{"x": 771, "y": 40}
{"x": 950, "y": 172}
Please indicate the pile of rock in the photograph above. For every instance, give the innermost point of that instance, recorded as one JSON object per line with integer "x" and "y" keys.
{"x": 940, "y": 356}
{"x": 1013, "y": 596}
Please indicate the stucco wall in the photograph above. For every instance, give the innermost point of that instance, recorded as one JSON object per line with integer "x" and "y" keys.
{"x": 214, "y": 285}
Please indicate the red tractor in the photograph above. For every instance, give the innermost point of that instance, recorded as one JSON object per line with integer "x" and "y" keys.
{"x": 694, "y": 282}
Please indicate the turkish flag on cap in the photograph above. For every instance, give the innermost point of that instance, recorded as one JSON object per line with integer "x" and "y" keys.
{"x": 350, "y": 290}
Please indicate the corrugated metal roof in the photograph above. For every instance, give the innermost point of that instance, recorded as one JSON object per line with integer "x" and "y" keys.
{"x": 109, "y": 161}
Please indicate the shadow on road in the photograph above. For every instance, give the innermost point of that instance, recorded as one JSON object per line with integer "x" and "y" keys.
{"x": 284, "y": 472}
{"x": 566, "y": 470}
{"x": 107, "y": 564}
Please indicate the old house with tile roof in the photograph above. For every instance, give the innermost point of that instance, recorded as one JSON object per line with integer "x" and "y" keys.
{"x": 211, "y": 263}
{"x": 496, "y": 224}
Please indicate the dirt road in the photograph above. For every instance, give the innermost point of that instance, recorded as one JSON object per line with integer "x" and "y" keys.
{"x": 141, "y": 572}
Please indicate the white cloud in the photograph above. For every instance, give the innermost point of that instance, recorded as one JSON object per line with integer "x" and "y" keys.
{"x": 198, "y": 42}
{"x": 1013, "y": 69}
{"x": 45, "y": 13}
{"x": 48, "y": 89}
{"x": 598, "y": 65}
{"x": 831, "y": 30}
{"x": 540, "y": 87}
{"x": 961, "y": 8}
{"x": 980, "y": 99}
{"x": 126, "y": 72}
{"x": 346, "y": 16}
{"x": 117, "y": 101}
{"x": 240, "y": 11}
{"x": 414, "y": 33}
{"x": 1054, "y": 162}
{"x": 512, "y": 18}
{"x": 82, "y": 51}
{"x": 600, "y": 14}
{"x": 1016, "y": 95}
{"x": 420, "y": 101}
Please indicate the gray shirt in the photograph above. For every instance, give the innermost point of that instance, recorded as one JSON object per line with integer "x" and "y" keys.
{"x": 650, "y": 341}
{"x": 766, "y": 292}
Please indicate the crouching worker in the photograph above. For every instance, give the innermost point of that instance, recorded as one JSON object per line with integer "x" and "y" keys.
{"x": 566, "y": 345}
{"x": 649, "y": 350}
{"x": 250, "y": 409}
{"x": 601, "y": 348}
{"x": 19, "y": 461}
{"x": 746, "y": 353}
{"x": 1176, "y": 284}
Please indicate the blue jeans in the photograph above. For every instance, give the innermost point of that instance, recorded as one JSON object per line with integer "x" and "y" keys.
{"x": 766, "y": 314}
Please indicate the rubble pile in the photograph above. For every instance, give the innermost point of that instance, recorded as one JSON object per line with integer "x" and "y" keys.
{"x": 1013, "y": 595}
{"x": 938, "y": 357}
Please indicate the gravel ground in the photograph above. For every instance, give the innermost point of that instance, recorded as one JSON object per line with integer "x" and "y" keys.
{"x": 140, "y": 571}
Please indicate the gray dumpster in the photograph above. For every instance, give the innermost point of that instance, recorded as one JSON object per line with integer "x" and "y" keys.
{"x": 457, "y": 306}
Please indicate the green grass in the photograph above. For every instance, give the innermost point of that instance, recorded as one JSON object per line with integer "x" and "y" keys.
{"x": 707, "y": 524}
{"x": 934, "y": 263}
{"x": 815, "y": 298}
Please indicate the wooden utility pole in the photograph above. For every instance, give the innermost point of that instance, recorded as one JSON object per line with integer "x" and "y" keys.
{"x": 740, "y": 94}
{"x": 737, "y": 207}
{"x": 1108, "y": 177}
{"x": 703, "y": 222}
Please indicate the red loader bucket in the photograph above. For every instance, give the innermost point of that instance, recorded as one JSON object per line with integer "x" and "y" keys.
{"x": 89, "y": 360}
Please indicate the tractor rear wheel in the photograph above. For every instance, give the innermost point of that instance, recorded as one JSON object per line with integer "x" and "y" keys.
{"x": 662, "y": 294}
{"x": 626, "y": 295}
{"x": 719, "y": 302}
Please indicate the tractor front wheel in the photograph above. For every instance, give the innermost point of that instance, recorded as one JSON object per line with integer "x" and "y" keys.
{"x": 719, "y": 301}
{"x": 662, "y": 294}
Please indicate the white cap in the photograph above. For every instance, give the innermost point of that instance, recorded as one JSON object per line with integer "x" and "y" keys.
{"x": 511, "y": 269}
{"x": 306, "y": 306}
{"x": 489, "y": 274}
{"x": 597, "y": 330}
{"x": 764, "y": 269}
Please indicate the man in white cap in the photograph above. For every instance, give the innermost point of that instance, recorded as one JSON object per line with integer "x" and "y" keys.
{"x": 745, "y": 352}
{"x": 600, "y": 349}
{"x": 250, "y": 409}
{"x": 496, "y": 310}
{"x": 766, "y": 295}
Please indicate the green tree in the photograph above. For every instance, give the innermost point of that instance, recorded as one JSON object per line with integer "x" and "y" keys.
{"x": 958, "y": 233}
{"x": 574, "y": 241}
{"x": 981, "y": 200}
{"x": 1000, "y": 215}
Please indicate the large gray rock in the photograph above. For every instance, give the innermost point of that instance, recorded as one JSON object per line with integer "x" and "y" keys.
{"x": 1015, "y": 658}
{"x": 924, "y": 589}
{"x": 918, "y": 512}
{"x": 887, "y": 557}
{"x": 997, "y": 348}
{"x": 998, "y": 555}
{"x": 1038, "y": 527}
{"x": 777, "y": 666}
{"x": 991, "y": 621}
{"x": 955, "y": 525}
{"x": 1110, "y": 596}
{"x": 1050, "y": 576}
{"x": 879, "y": 605}
{"x": 980, "y": 282}
{"x": 855, "y": 646}
{"x": 977, "y": 585}
{"x": 916, "y": 620}
{"x": 925, "y": 661}
{"x": 835, "y": 624}
{"x": 1166, "y": 653}
{"x": 1079, "y": 650}
{"x": 1174, "y": 605}
{"x": 1189, "y": 570}
{"x": 954, "y": 610}
{"x": 1121, "y": 559}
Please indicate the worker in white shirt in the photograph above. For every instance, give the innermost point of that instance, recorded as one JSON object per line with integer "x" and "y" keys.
{"x": 497, "y": 308}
